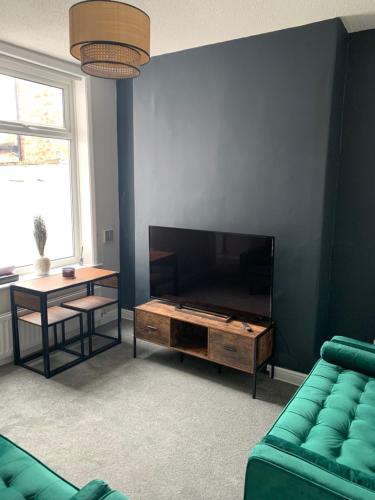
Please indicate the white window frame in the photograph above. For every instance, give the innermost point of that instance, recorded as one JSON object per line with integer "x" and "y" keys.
{"x": 46, "y": 76}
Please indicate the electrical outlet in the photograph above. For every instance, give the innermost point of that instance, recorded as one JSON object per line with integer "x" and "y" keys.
{"x": 108, "y": 236}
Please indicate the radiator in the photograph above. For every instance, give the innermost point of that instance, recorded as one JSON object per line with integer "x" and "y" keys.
{"x": 6, "y": 344}
{"x": 31, "y": 336}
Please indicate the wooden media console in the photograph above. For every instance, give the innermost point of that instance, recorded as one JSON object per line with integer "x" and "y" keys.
{"x": 206, "y": 336}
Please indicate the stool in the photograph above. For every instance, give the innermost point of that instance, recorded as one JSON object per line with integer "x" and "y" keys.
{"x": 55, "y": 315}
{"x": 89, "y": 305}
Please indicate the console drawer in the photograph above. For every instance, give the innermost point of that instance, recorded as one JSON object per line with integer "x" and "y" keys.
{"x": 231, "y": 350}
{"x": 152, "y": 327}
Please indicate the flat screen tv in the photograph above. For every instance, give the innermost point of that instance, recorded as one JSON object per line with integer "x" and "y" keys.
{"x": 224, "y": 273}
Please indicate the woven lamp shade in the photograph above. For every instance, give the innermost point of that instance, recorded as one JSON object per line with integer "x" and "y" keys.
{"x": 111, "y": 39}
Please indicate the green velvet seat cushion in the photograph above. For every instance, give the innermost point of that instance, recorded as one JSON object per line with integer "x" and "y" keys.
{"x": 333, "y": 415}
{"x": 361, "y": 359}
{"x": 23, "y": 477}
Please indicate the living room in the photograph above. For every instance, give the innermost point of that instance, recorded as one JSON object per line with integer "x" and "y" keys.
{"x": 186, "y": 258}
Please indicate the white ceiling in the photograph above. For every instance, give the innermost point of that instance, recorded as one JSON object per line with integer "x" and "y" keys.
{"x": 42, "y": 25}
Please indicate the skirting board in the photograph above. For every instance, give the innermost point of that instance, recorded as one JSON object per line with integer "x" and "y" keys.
{"x": 289, "y": 376}
{"x": 282, "y": 374}
{"x": 127, "y": 314}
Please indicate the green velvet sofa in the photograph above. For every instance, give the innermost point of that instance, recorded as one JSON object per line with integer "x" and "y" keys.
{"x": 323, "y": 444}
{"x": 23, "y": 477}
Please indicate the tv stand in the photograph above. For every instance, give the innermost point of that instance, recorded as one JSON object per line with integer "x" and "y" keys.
{"x": 205, "y": 335}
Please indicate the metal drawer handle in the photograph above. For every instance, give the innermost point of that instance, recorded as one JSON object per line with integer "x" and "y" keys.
{"x": 150, "y": 327}
{"x": 229, "y": 348}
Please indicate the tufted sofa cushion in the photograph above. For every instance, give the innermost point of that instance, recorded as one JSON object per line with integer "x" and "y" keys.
{"x": 24, "y": 477}
{"x": 331, "y": 422}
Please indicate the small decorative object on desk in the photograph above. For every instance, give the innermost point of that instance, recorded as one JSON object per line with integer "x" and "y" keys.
{"x": 42, "y": 264}
{"x": 69, "y": 272}
{"x": 7, "y": 275}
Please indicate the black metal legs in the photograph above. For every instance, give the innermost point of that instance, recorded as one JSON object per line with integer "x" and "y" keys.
{"x": 255, "y": 384}
{"x": 45, "y": 337}
{"x": 259, "y": 368}
{"x": 55, "y": 335}
{"x": 119, "y": 335}
{"x": 255, "y": 366}
{"x": 134, "y": 335}
{"x": 63, "y": 332}
{"x": 16, "y": 340}
{"x": 90, "y": 330}
{"x": 80, "y": 335}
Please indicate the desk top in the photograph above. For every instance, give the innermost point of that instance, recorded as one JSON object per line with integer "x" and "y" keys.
{"x": 58, "y": 282}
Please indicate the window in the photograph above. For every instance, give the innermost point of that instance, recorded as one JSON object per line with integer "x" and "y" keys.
{"x": 38, "y": 174}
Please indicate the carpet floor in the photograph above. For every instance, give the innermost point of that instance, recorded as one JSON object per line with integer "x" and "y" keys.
{"x": 152, "y": 427}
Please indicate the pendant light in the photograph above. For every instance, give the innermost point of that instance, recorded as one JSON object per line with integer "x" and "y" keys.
{"x": 110, "y": 38}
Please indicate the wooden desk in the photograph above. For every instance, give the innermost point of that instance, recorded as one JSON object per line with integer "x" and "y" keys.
{"x": 33, "y": 295}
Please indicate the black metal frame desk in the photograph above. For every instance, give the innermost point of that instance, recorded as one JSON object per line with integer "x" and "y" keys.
{"x": 33, "y": 296}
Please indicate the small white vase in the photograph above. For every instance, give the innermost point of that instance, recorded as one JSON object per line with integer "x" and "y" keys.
{"x": 42, "y": 266}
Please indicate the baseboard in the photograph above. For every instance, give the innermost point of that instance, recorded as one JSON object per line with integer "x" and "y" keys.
{"x": 289, "y": 376}
{"x": 127, "y": 314}
{"x": 282, "y": 374}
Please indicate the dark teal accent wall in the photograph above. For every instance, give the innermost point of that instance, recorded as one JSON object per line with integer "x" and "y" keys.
{"x": 333, "y": 168}
{"x": 353, "y": 302}
{"x": 125, "y": 132}
{"x": 241, "y": 136}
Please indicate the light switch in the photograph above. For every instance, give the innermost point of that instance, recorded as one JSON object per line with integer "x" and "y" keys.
{"x": 108, "y": 236}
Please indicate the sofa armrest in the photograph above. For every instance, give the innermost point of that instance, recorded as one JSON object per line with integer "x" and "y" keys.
{"x": 351, "y": 358}
{"x": 115, "y": 495}
{"x": 98, "y": 490}
{"x": 273, "y": 473}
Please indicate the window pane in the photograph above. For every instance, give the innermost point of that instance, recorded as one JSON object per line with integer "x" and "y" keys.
{"x": 34, "y": 179}
{"x": 30, "y": 102}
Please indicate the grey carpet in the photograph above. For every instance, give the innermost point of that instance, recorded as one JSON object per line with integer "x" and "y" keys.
{"x": 152, "y": 427}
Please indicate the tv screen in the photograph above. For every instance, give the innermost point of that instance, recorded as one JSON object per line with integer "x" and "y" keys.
{"x": 226, "y": 273}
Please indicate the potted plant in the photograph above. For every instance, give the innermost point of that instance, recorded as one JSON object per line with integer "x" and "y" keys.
{"x": 42, "y": 264}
